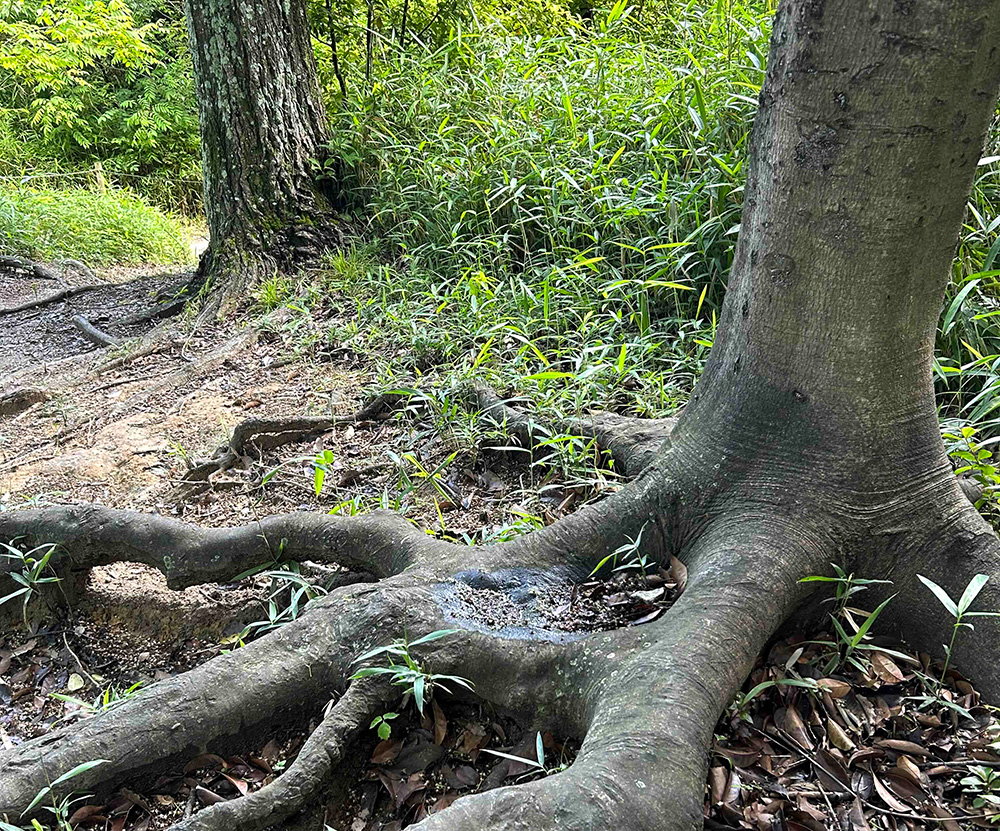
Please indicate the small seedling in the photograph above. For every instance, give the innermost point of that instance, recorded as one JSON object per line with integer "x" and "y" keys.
{"x": 285, "y": 578}
{"x": 410, "y": 674}
{"x": 959, "y": 611}
{"x": 537, "y": 764}
{"x": 983, "y": 786}
{"x": 381, "y": 723}
{"x": 846, "y": 647}
{"x": 33, "y": 566}
{"x": 846, "y": 586}
{"x": 61, "y": 809}
{"x": 109, "y": 697}
{"x": 629, "y": 553}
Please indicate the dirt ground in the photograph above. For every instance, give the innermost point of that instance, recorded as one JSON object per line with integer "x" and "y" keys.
{"x": 123, "y": 426}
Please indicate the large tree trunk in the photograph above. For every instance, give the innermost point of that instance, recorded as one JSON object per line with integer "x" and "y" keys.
{"x": 263, "y": 129}
{"x": 811, "y": 437}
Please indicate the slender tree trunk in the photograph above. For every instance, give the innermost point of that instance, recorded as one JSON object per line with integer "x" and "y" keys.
{"x": 402, "y": 24}
{"x": 263, "y": 128}
{"x": 334, "y": 53}
{"x": 369, "y": 40}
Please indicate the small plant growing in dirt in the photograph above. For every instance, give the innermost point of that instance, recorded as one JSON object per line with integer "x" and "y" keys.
{"x": 34, "y": 572}
{"x": 630, "y": 554}
{"x": 109, "y": 697}
{"x": 60, "y": 810}
{"x": 959, "y": 611}
{"x": 409, "y": 673}
{"x": 846, "y": 648}
{"x": 537, "y": 765}
{"x": 982, "y": 786}
{"x": 975, "y": 461}
{"x": 846, "y": 586}
{"x": 285, "y": 579}
{"x": 740, "y": 708}
{"x": 382, "y": 726}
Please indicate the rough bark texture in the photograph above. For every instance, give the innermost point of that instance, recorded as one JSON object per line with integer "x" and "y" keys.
{"x": 263, "y": 128}
{"x": 812, "y": 437}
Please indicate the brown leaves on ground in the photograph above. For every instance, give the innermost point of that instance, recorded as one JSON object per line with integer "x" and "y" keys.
{"x": 429, "y": 763}
{"x": 859, "y": 749}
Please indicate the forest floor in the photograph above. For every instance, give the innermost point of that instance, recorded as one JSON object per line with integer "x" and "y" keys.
{"x": 123, "y": 426}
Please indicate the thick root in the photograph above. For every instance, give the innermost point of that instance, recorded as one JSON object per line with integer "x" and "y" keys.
{"x": 301, "y": 664}
{"x": 294, "y": 789}
{"x": 381, "y": 544}
{"x": 92, "y": 334}
{"x": 632, "y": 443}
{"x": 963, "y": 546}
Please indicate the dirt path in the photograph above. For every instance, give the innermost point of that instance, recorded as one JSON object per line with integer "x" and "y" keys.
{"x": 126, "y": 436}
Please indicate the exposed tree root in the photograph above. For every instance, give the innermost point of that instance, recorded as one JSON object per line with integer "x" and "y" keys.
{"x": 631, "y": 443}
{"x": 381, "y": 544}
{"x": 296, "y": 787}
{"x": 49, "y": 299}
{"x": 18, "y": 400}
{"x": 30, "y": 268}
{"x": 92, "y": 334}
{"x": 275, "y": 432}
{"x": 642, "y": 755}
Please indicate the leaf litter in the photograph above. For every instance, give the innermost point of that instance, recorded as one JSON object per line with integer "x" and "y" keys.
{"x": 880, "y": 746}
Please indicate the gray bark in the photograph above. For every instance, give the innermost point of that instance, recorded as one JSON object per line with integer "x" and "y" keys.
{"x": 263, "y": 127}
{"x": 812, "y": 436}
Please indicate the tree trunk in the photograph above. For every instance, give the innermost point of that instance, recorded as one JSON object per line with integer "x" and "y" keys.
{"x": 263, "y": 130}
{"x": 811, "y": 438}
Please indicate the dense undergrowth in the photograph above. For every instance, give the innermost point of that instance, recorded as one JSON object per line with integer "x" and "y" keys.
{"x": 551, "y": 192}
{"x": 557, "y": 215}
{"x": 102, "y": 228}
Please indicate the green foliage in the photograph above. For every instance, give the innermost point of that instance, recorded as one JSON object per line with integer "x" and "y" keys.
{"x": 85, "y": 80}
{"x": 61, "y": 809}
{"x": 31, "y": 571}
{"x": 982, "y": 785}
{"x": 587, "y": 157}
{"x": 101, "y": 228}
{"x": 404, "y": 670}
{"x": 382, "y": 725}
{"x": 851, "y": 646}
{"x": 845, "y": 586}
{"x": 630, "y": 553}
{"x": 972, "y": 458}
{"x": 291, "y": 592}
{"x": 110, "y": 696}
{"x": 960, "y": 611}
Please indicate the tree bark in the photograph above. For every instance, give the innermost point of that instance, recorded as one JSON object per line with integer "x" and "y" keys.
{"x": 811, "y": 437}
{"x": 870, "y": 127}
{"x": 263, "y": 131}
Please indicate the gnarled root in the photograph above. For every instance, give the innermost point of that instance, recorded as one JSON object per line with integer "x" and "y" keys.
{"x": 644, "y": 699}
{"x": 632, "y": 443}
{"x": 381, "y": 544}
{"x": 293, "y": 790}
{"x": 642, "y": 756}
{"x": 275, "y": 432}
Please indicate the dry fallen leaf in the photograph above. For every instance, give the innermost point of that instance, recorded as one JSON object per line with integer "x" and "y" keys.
{"x": 903, "y": 747}
{"x": 837, "y": 689}
{"x": 796, "y": 728}
{"x": 838, "y": 738}
{"x": 886, "y": 669}
{"x": 440, "y": 723}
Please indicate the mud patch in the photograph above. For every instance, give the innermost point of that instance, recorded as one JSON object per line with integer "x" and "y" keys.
{"x": 529, "y": 604}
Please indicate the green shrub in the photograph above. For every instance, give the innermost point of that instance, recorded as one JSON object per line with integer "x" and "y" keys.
{"x": 109, "y": 228}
